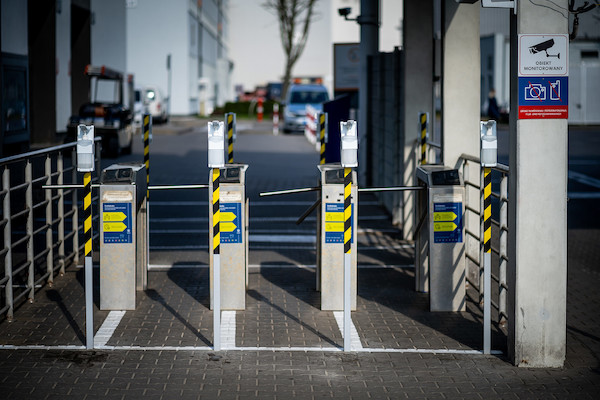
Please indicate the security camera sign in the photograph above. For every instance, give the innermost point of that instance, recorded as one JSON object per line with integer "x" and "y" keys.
{"x": 543, "y": 76}
{"x": 543, "y": 55}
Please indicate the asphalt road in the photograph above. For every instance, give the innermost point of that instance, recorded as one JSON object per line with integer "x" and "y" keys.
{"x": 179, "y": 218}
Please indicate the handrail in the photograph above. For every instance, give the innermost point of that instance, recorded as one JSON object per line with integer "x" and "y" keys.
{"x": 41, "y": 152}
{"x": 38, "y": 226}
{"x": 474, "y": 207}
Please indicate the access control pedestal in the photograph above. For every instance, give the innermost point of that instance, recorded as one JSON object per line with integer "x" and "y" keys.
{"x": 330, "y": 238}
{"x": 234, "y": 241}
{"x": 123, "y": 244}
{"x": 439, "y": 247}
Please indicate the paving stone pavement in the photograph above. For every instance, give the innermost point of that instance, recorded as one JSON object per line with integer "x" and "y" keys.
{"x": 411, "y": 353}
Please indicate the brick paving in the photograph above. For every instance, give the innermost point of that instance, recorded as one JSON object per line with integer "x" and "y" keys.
{"x": 283, "y": 311}
{"x": 414, "y": 354}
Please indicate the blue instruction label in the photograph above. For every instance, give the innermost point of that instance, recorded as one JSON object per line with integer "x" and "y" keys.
{"x": 447, "y": 223}
{"x": 334, "y": 223}
{"x": 116, "y": 222}
{"x": 231, "y": 222}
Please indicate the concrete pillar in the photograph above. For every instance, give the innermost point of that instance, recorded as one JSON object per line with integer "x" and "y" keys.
{"x": 418, "y": 97}
{"x": 369, "y": 45}
{"x": 537, "y": 253}
{"x": 461, "y": 70}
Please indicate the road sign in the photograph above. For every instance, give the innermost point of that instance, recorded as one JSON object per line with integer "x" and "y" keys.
{"x": 543, "y": 76}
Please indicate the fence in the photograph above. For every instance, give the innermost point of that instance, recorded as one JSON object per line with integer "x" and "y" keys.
{"x": 40, "y": 228}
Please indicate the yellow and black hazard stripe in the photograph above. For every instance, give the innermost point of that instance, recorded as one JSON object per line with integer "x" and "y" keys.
{"x": 87, "y": 213}
{"x": 423, "y": 118}
{"x": 487, "y": 210}
{"x": 216, "y": 172}
{"x": 322, "y": 136}
{"x": 230, "y": 138}
{"x": 147, "y": 121}
{"x": 347, "y": 210}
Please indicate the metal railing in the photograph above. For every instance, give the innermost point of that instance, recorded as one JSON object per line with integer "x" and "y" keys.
{"x": 499, "y": 232}
{"x": 40, "y": 228}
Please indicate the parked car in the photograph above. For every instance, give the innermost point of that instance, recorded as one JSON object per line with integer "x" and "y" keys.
{"x": 154, "y": 103}
{"x": 105, "y": 109}
{"x": 294, "y": 115}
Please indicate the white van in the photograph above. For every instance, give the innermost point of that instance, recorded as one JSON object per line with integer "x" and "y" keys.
{"x": 154, "y": 103}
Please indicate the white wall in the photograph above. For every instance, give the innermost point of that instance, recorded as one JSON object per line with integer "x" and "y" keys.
{"x": 63, "y": 58}
{"x": 14, "y": 27}
{"x": 156, "y": 28}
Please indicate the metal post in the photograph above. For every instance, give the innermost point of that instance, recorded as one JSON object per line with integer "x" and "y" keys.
{"x": 49, "y": 247}
{"x": 322, "y": 124}
{"x": 75, "y": 208}
{"x": 216, "y": 172}
{"x": 87, "y": 229}
{"x": 7, "y": 242}
{"x": 61, "y": 214}
{"x": 481, "y": 269}
{"x": 29, "y": 229}
{"x": 423, "y": 120}
{"x": 487, "y": 258}
{"x": 230, "y": 121}
{"x": 347, "y": 256}
{"x": 147, "y": 134}
{"x": 503, "y": 249}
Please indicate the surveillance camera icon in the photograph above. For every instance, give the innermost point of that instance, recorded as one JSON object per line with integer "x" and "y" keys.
{"x": 543, "y": 46}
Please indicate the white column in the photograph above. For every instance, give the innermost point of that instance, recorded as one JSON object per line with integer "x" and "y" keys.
{"x": 537, "y": 244}
{"x": 461, "y": 70}
{"x": 418, "y": 96}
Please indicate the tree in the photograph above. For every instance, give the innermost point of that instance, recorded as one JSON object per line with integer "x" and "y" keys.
{"x": 294, "y": 17}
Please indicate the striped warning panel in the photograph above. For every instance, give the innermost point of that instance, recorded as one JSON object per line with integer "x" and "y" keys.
{"x": 322, "y": 137}
{"x": 216, "y": 173}
{"x": 230, "y": 123}
{"x": 347, "y": 210}
{"x": 87, "y": 213}
{"x": 487, "y": 210}
{"x": 147, "y": 127}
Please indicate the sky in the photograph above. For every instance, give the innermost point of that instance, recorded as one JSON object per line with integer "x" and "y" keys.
{"x": 255, "y": 46}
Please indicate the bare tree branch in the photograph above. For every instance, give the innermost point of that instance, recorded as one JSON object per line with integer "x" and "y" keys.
{"x": 295, "y": 17}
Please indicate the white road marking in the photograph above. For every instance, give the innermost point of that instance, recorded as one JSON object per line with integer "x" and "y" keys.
{"x": 228, "y": 330}
{"x": 355, "y": 344}
{"x": 108, "y": 328}
{"x": 270, "y": 349}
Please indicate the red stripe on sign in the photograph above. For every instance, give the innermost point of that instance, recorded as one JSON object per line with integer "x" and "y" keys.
{"x": 543, "y": 112}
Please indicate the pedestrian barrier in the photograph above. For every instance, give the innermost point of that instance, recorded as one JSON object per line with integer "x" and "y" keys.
{"x": 41, "y": 229}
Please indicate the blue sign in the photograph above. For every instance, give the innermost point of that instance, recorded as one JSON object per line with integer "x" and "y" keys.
{"x": 116, "y": 222}
{"x": 230, "y": 225}
{"x": 447, "y": 223}
{"x": 334, "y": 223}
{"x": 543, "y": 97}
